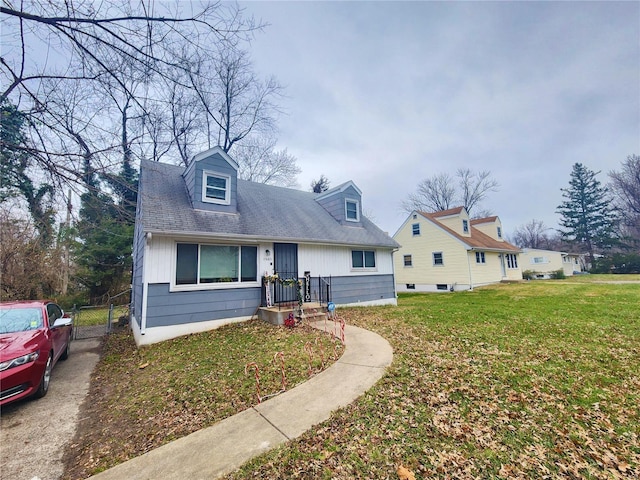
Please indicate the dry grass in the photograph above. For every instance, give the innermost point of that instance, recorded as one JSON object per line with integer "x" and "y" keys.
{"x": 531, "y": 380}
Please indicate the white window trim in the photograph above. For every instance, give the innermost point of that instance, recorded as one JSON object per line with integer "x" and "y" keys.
{"x": 352, "y": 200}
{"x": 404, "y": 263}
{"x": 481, "y": 258}
{"x": 364, "y": 269}
{"x": 174, "y": 287}
{"x": 413, "y": 231}
{"x": 433, "y": 259}
{"x": 227, "y": 193}
{"x": 465, "y": 226}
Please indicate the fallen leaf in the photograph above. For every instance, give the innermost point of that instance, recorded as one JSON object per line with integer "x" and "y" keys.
{"x": 405, "y": 473}
{"x": 144, "y": 365}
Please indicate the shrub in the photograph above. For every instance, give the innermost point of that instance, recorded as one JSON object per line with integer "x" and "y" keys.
{"x": 528, "y": 274}
{"x": 558, "y": 274}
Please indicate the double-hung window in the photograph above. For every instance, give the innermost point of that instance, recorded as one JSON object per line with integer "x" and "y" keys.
{"x": 415, "y": 229}
{"x": 438, "y": 258}
{"x": 351, "y": 208}
{"x": 363, "y": 259}
{"x": 216, "y": 188}
{"x": 408, "y": 261}
{"x": 465, "y": 226}
{"x": 211, "y": 264}
{"x": 480, "y": 258}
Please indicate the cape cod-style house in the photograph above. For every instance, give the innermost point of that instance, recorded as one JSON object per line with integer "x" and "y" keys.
{"x": 205, "y": 241}
{"x": 449, "y": 251}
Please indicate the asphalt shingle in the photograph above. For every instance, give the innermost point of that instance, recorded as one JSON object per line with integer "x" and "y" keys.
{"x": 264, "y": 212}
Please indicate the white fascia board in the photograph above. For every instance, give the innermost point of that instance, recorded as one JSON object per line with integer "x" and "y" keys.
{"x": 212, "y": 151}
{"x": 199, "y": 236}
{"x": 338, "y": 189}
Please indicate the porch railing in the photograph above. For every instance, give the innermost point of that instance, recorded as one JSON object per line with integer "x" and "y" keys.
{"x": 283, "y": 291}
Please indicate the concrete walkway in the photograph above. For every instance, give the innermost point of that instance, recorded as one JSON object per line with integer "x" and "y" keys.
{"x": 220, "y": 449}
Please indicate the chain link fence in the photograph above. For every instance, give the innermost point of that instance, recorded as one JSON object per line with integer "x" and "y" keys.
{"x": 98, "y": 320}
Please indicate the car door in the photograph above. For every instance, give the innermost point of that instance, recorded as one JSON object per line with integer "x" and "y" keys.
{"x": 58, "y": 335}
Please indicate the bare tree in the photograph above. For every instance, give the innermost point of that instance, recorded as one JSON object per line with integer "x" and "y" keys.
{"x": 28, "y": 270}
{"x": 98, "y": 40}
{"x": 233, "y": 100}
{"x": 260, "y": 162}
{"x": 532, "y": 235}
{"x": 433, "y": 194}
{"x": 474, "y": 187}
{"x": 442, "y": 191}
{"x": 625, "y": 186}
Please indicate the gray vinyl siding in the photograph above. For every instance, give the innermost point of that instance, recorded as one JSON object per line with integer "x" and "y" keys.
{"x": 335, "y": 205}
{"x": 364, "y": 288}
{"x": 193, "y": 181}
{"x": 166, "y": 308}
{"x": 138, "y": 259}
{"x": 137, "y": 280}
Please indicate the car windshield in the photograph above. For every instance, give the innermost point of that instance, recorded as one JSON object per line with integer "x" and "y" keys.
{"x": 20, "y": 319}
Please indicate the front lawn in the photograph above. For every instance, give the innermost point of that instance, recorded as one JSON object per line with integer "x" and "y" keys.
{"x": 530, "y": 380}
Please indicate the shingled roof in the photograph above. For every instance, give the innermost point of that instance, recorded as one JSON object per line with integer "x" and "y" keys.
{"x": 477, "y": 239}
{"x": 264, "y": 212}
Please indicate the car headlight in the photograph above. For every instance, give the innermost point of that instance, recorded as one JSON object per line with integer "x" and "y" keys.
{"x": 16, "y": 362}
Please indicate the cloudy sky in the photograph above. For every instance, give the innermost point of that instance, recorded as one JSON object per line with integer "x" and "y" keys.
{"x": 389, "y": 93}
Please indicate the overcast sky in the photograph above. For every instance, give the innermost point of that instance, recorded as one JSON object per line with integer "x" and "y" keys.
{"x": 389, "y": 93}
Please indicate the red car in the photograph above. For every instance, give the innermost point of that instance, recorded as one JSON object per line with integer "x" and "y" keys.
{"x": 34, "y": 335}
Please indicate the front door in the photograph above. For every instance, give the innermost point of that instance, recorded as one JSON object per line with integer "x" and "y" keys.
{"x": 286, "y": 260}
{"x": 502, "y": 267}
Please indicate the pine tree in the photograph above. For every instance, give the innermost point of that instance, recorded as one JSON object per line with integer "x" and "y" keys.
{"x": 586, "y": 214}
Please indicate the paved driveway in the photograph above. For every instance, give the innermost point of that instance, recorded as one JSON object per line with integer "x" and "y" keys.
{"x": 33, "y": 433}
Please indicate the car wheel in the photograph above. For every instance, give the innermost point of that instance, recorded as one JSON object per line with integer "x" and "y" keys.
{"x": 46, "y": 378}
{"x": 67, "y": 350}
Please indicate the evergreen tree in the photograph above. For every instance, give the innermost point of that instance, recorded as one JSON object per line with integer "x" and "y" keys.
{"x": 586, "y": 214}
{"x": 320, "y": 185}
{"x": 103, "y": 253}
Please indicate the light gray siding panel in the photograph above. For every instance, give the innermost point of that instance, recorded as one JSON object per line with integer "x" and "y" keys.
{"x": 189, "y": 180}
{"x": 362, "y": 289}
{"x": 216, "y": 164}
{"x": 174, "y": 308}
{"x": 335, "y": 205}
{"x": 138, "y": 259}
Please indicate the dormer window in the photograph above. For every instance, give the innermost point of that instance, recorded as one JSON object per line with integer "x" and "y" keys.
{"x": 216, "y": 188}
{"x": 499, "y": 232}
{"x": 465, "y": 226}
{"x": 352, "y": 213}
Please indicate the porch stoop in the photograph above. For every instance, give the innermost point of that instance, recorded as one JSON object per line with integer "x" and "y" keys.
{"x": 278, "y": 314}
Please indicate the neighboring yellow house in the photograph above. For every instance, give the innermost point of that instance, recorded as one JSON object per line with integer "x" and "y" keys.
{"x": 544, "y": 262}
{"x": 447, "y": 251}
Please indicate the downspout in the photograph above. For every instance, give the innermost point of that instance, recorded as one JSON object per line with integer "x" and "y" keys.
{"x": 469, "y": 265}
{"x": 393, "y": 272}
{"x": 145, "y": 284}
